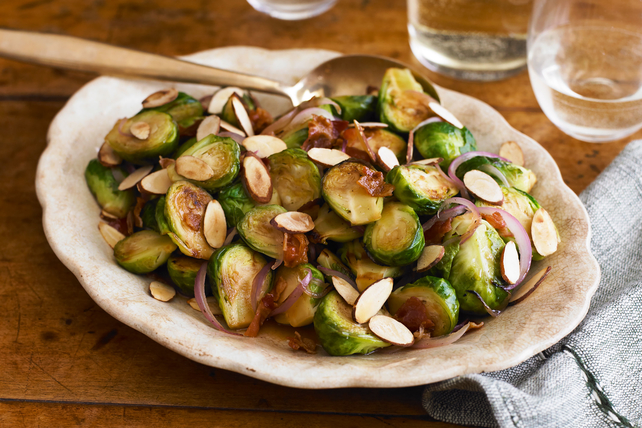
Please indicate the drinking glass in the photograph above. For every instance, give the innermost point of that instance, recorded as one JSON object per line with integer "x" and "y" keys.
{"x": 585, "y": 65}
{"x": 470, "y": 39}
{"x": 291, "y": 10}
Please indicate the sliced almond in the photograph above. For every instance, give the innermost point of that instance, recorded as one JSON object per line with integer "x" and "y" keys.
{"x": 431, "y": 161}
{"x": 293, "y": 222}
{"x": 364, "y": 140}
{"x": 256, "y": 178}
{"x": 345, "y": 290}
{"x": 264, "y": 145}
{"x": 110, "y": 234}
{"x": 441, "y": 111}
{"x": 160, "y": 98}
{"x": 387, "y": 158}
{"x": 132, "y": 179}
{"x": 220, "y": 97}
{"x": 372, "y": 300}
{"x": 108, "y": 215}
{"x": 430, "y": 256}
{"x": 194, "y": 168}
{"x": 140, "y": 130}
{"x": 510, "y": 263}
{"x": 156, "y": 183}
{"x": 511, "y": 151}
{"x": 242, "y": 116}
{"x": 162, "y": 292}
{"x": 231, "y": 128}
{"x": 211, "y": 125}
{"x": 327, "y": 157}
{"x": 544, "y": 233}
{"x": 211, "y": 302}
{"x": 484, "y": 187}
{"x": 390, "y": 330}
{"x": 108, "y": 157}
{"x": 166, "y": 162}
{"x": 214, "y": 226}
{"x": 527, "y": 289}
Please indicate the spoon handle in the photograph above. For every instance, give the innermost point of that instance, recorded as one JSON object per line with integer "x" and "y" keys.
{"x": 85, "y": 55}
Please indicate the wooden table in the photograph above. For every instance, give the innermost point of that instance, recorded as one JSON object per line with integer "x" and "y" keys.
{"x": 63, "y": 360}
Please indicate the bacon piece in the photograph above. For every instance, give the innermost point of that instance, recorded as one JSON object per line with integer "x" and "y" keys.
{"x": 295, "y": 249}
{"x": 374, "y": 183}
{"x": 435, "y": 234}
{"x": 297, "y": 342}
{"x": 497, "y": 221}
{"x": 413, "y": 314}
{"x": 323, "y": 132}
{"x": 265, "y": 307}
{"x": 260, "y": 119}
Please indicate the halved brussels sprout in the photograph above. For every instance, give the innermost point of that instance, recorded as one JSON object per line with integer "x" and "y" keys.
{"x": 338, "y": 333}
{"x": 161, "y": 219}
{"x": 329, "y": 260}
{"x": 517, "y": 176}
{"x": 144, "y": 251}
{"x": 231, "y": 272}
{"x": 328, "y": 225}
{"x": 302, "y": 312}
{"x": 443, "y": 140}
{"x": 396, "y": 107}
{"x": 438, "y": 297}
{"x": 259, "y": 234}
{"x": 421, "y": 187}
{"x": 182, "y": 270}
{"x": 162, "y": 139}
{"x": 367, "y": 272}
{"x": 184, "y": 109}
{"x": 185, "y": 205}
{"x": 236, "y": 202}
{"x": 397, "y": 238}
{"x": 102, "y": 184}
{"x": 295, "y": 138}
{"x": 377, "y": 138}
{"x": 148, "y": 215}
{"x": 362, "y": 108}
{"x": 347, "y": 197}
{"x": 295, "y": 177}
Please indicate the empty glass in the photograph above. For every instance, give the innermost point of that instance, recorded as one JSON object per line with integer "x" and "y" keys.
{"x": 292, "y": 9}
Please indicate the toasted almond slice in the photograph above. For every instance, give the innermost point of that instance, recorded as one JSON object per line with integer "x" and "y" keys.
{"x": 242, "y": 116}
{"x": 110, "y": 234}
{"x": 156, "y": 183}
{"x": 364, "y": 141}
{"x": 106, "y": 214}
{"x": 231, "y": 128}
{"x": 211, "y": 125}
{"x": 256, "y": 178}
{"x": 264, "y": 145}
{"x": 194, "y": 168}
{"x": 160, "y": 98}
{"x": 140, "y": 130}
{"x": 162, "y": 292}
{"x": 327, "y": 157}
{"x": 527, "y": 289}
{"x": 431, "y": 161}
{"x": 345, "y": 290}
{"x": 214, "y": 226}
{"x": 132, "y": 179}
{"x": 390, "y": 330}
{"x": 510, "y": 263}
{"x": 220, "y": 97}
{"x": 370, "y": 125}
{"x": 430, "y": 256}
{"x": 211, "y": 302}
{"x": 441, "y": 111}
{"x": 108, "y": 157}
{"x": 544, "y": 233}
{"x": 166, "y": 162}
{"x": 484, "y": 187}
{"x": 372, "y": 300}
{"x": 293, "y": 222}
{"x": 387, "y": 158}
{"x": 511, "y": 151}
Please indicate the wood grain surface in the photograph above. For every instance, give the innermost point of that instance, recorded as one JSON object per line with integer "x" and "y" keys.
{"x": 64, "y": 361}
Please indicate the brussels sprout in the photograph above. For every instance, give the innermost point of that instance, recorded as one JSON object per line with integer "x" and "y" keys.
{"x": 236, "y": 202}
{"x": 104, "y": 187}
{"x": 148, "y": 215}
{"x": 295, "y": 177}
{"x": 302, "y": 312}
{"x": 259, "y": 234}
{"x": 396, "y": 107}
{"x": 162, "y": 140}
{"x": 439, "y": 298}
{"x": 231, "y": 272}
{"x": 357, "y": 107}
{"x": 421, "y": 187}
{"x": 329, "y": 260}
{"x": 161, "y": 220}
{"x": 228, "y": 114}
{"x": 397, "y": 238}
{"x": 377, "y": 138}
{"x": 222, "y": 154}
{"x": 182, "y": 270}
{"x": 185, "y": 206}
{"x": 347, "y": 197}
{"x": 144, "y": 251}
{"x": 295, "y": 138}
{"x": 184, "y": 109}
{"x": 443, "y": 140}
{"x": 328, "y": 225}
{"x": 338, "y": 333}
{"x": 355, "y": 257}
{"x": 517, "y": 176}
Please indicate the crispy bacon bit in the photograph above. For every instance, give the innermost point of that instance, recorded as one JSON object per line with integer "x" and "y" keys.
{"x": 265, "y": 307}
{"x": 497, "y": 221}
{"x": 413, "y": 314}
{"x": 260, "y": 119}
{"x": 140, "y": 203}
{"x": 323, "y": 132}
{"x": 295, "y": 249}
{"x": 373, "y": 182}
{"x": 435, "y": 234}
{"x": 297, "y": 342}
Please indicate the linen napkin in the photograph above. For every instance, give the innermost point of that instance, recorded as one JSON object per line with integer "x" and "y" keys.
{"x": 593, "y": 377}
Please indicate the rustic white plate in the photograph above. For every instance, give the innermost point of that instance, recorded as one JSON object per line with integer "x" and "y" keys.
{"x": 70, "y": 217}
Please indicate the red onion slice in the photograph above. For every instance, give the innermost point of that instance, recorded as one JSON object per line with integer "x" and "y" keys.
{"x": 233, "y": 135}
{"x": 490, "y": 169}
{"x": 122, "y": 122}
{"x": 305, "y": 115}
{"x": 473, "y": 210}
{"x": 493, "y": 313}
{"x": 317, "y": 102}
{"x": 258, "y": 284}
{"x": 277, "y": 263}
{"x": 452, "y": 169}
{"x": 280, "y": 123}
{"x": 320, "y": 294}
{"x": 294, "y": 296}
{"x": 411, "y": 137}
{"x": 434, "y": 342}
{"x": 332, "y": 272}
{"x": 230, "y": 236}
{"x": 199, "y": 293}
{"x": 444, "y": 215}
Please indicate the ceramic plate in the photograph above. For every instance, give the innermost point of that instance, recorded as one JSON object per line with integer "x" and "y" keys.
{"x": 70, "y": 217}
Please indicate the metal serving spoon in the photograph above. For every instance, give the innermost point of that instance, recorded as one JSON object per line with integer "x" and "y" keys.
{"x": 344, "y": 75}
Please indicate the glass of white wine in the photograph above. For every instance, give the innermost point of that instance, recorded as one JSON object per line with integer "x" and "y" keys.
{"x": 585, "y": 65}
